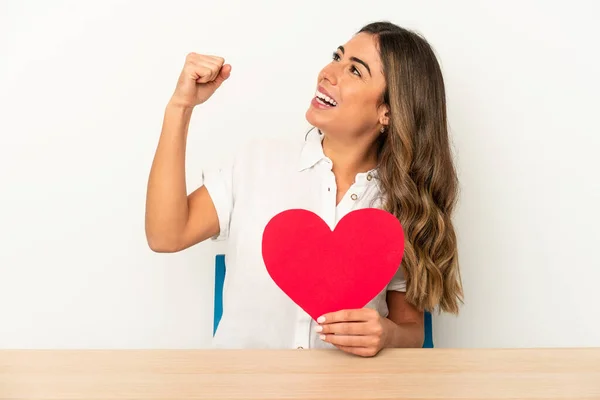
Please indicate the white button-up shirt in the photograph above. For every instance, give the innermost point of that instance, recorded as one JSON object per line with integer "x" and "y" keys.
{"x": 267, "y": 178}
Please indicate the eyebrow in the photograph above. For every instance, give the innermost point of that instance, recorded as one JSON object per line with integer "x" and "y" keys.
{"x": 358, "y": 60}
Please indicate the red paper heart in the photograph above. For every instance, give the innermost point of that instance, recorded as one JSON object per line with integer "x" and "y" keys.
{"x": 323, "y": 270}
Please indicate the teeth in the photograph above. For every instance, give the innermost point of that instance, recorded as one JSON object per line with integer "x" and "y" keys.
{"x": 325, "y": 98}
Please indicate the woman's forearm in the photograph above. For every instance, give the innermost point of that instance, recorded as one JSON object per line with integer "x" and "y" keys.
{"x": 408, "y": 334}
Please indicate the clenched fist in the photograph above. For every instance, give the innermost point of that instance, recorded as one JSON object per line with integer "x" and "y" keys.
{"x": 200, "y": 77}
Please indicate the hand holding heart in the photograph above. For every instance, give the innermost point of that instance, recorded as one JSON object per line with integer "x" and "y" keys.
{"x": 325, "y": 271}
{"x": 361, "y": 331}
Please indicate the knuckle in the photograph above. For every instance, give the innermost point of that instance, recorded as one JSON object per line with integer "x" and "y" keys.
{"x": 378, "y": 330}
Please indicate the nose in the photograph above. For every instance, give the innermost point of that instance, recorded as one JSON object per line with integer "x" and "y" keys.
{"x": 330, "y": 73}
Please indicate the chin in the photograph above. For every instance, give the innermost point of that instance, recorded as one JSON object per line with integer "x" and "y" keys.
{"x": 315, "y": 120}
{"x": 310, "y": 118}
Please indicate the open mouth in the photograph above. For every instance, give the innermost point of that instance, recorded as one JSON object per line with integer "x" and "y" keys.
{"x": 325, "y": 100}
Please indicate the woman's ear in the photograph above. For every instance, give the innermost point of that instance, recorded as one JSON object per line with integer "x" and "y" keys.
{"x": 384, "y": 115}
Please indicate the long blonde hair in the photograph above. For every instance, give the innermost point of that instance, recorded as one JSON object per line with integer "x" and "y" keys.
{"x": 417, "y": 175}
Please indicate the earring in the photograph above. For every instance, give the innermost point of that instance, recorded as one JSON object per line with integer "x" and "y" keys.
{"x": 382, "y": 129}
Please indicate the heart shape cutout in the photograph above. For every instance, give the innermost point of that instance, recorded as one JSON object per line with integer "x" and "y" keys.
{"x": 323, "y": 270}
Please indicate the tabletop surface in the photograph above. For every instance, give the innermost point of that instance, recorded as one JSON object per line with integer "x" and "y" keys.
{"x": 300, "y": 374}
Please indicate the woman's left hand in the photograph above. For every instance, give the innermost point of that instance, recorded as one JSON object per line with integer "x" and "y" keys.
{"x": 362, "y": 331}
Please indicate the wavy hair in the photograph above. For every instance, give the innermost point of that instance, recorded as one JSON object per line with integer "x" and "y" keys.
{"x": 417, "y": 175}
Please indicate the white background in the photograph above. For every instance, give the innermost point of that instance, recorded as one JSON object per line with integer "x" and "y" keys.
{"x": 82, "y": 95}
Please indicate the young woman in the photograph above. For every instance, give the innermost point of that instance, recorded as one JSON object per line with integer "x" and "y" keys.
{"x": 379, "y": 139}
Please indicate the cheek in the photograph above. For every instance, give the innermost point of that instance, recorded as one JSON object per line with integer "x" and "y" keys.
{"x": 361, "y": 103}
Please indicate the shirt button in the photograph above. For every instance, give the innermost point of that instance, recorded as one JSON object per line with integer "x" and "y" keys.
{"x": 369, "y": 177}
{"x": 354, "y": 196}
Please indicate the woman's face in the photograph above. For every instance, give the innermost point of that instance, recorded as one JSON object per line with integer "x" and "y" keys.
{"x": 349, "y": 90}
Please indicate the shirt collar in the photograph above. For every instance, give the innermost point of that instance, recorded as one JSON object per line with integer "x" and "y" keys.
{"x": 312, "y": 153}
{"x": 312, "y": 150}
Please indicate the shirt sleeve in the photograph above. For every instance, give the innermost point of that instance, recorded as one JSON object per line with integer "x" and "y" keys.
{"x": 219, "y": 184}
{"x": 398, "y": 282}
{"x": 223, "y": 184}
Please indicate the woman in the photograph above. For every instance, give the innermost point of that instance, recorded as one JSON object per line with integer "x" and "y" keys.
{"x": 379, "y": 140}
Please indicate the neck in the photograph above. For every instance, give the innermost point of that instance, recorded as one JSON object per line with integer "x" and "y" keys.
{"x": 350, "y": 157}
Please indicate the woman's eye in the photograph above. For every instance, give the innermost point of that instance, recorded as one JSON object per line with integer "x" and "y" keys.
{"x": 353, "y": 69}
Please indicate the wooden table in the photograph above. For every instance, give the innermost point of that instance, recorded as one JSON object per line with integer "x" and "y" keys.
{"x": 300, "y": 374}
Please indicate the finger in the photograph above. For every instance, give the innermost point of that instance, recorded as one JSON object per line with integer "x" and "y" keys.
{"x": 199, "y": 57}
{"x": 215, "y": 69}
{"x": 359, "y": 351}
{"x": 355, "y": 315}
{"x": 340, "y": 316}
{"x": 196, "y": 72}
{"x": 223, "y": 74}
{"x": 192, "y": 56}
{"x": 217, "y": 60}
{"x": 212, "y": 67}
{"x": 200, "y": 74}
{"x": 345, "y": 328}
{"x": 347, "y": 340}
